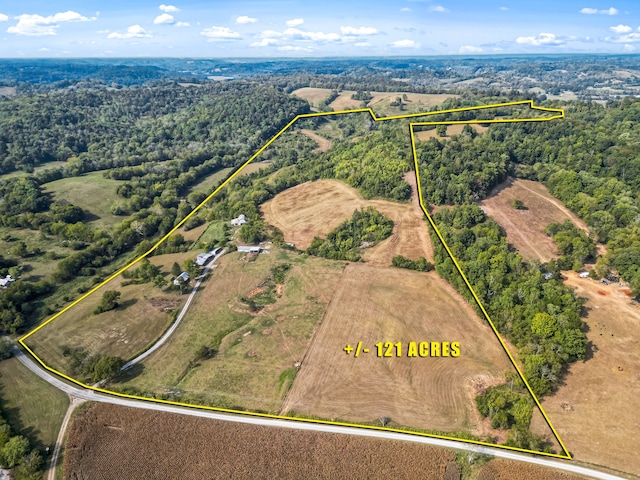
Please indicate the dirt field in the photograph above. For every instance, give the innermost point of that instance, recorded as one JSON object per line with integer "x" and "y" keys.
{"x": 596, "y": 411}
{"x": 506, "y": 470}
{"x": 112, "y": 442}
{"x": 375, "y": 304}
{"x": 315, "y": 208}
{"x": 324, "y": 144}
{"x": 525, "y": 228}
{"x": 425, "y": 135}
{"x": 122, "y": 332}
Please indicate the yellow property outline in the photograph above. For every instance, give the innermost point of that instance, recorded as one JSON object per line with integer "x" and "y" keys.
{"x": 559, "y": 113}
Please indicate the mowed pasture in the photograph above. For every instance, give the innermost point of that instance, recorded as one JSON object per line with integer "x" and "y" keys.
{"x": 34, "y": 408}
{"x": 376, "y": 304}
{"x": 209, "y": 183}
{"x": 91, "y": 192}
{"x": 108, "y": 441}
{"x": 314, "y": 96}
{"x": 525, "y": 228}
{"x": 256, "y": 352}
{"x": 596, "y": 409}
{"x": 424, "y": 135}
{"x": 124, "y": 332}
{"x": 315, "y": 208}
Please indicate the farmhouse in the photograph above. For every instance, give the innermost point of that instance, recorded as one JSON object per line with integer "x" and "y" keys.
{"x": 249, "y": 248}
{"x": 241, "y": 220}
{"x": 183, "y": 277}
{"x": 6, "y": 281}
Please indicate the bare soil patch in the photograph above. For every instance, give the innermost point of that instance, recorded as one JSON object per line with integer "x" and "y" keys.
{"x": 375, "y": 304}
{"x": 324, "y": 144}
{"x": 315, "y": 208}
{"x": 525, "y": 228}
{"x": 108, "y": 441}
{"x": 596, "y": 410}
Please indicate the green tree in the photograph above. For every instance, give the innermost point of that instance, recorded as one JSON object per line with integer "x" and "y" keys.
{"x": 14, "y": 450}
{"x": 441, "y": 130}
{"x": 518, "y": 204}
{"x": 175, "y": 269}
{"x": 107, "y": 367}
{"x": 109, "y": 301}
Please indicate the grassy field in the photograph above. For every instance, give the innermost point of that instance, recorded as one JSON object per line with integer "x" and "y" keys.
{"x": 92, "y": 192}
{"x": 107, "y": 441}
{"x": 32, "y": 406}
{"x": 596, "y": 409}
{"x": 375, "y": 304}
{"x": 324, "y": 144}
{"x": 315, "y": 208}
{"x": 39, "y": 168}
{"x": 209, "y": 183}
{"x": 525, "y": 228}
{"x": 314, "y": 96}
{"x": 256, "y": 351}
{"x": 122, "y": 332}
{"x": 425, "y": 135}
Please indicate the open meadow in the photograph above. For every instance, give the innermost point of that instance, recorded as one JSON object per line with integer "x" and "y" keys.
{"x": 596, "y": 409}
{"x": 253, "y": 354}
{"x": 315, "y": 208}
{"x": 525, "y": 227}
{"x": 142, "y": 317}
{"x": 34, "y": 408}
{"x": 424, "y": 135}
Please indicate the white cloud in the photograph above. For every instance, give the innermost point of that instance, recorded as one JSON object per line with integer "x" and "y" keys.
{"x": 359, "y": 30}
{"x": 134, "y": 31}
{"x": 470, "y": 49}
{"x": 44, "y": 49}
{"x": 168, "y": 8}
{"x": 183, "y": 24}
{"x": 595, "y": 11}
{"x": 540, "y": 39}
{"x": 220, "y": 34}
{"x": 362, "y": 44}
{"x": 629, "y": 48}
{"x": 405, "y": 9}
{"x": 504, "y": 9}
{"x": 292, "y": 48}
{"x": 270, "y": 34}
{"x": 439, "y": 9}
{"x": 244, "y": 19}
{"x": 406, "y": 43}
{"x": 621, "y": 29}
{"x": 294, "y": 22}
{"x": 627, "y": 38}
{"x": 3, "y": 17}
{"x": 265, "y": 42}
{"x": 164, "y": 18}
{"x": 313, "y": 36}
{"x": 37, "y": 25}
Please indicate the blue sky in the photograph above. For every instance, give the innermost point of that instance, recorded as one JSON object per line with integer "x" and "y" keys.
{"x": 292, "y": 28}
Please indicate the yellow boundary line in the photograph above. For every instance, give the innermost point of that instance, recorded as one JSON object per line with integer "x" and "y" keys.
{"x": 559, "y": 113}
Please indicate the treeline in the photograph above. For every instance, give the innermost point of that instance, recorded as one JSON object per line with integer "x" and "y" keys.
{"x": 365, "y": 228}
{"x": 420, "y": 265}
{"x": 574, "y": 246}
{"x": 93, "y": 367}
{"x": 540, "y": 317}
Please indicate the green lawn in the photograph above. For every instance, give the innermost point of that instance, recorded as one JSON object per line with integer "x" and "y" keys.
{"x": 93, "y": 193}
{"x": 213, "y": 233}
{"x": 44, "y": 166}
{"x": 33, "y": 407}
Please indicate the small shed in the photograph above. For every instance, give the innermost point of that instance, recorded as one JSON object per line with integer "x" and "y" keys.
{"x": 583, "y": 274}
{"x": 241, "y": 220}
{"x": 203, "y": 258}
{"x": 182, "y": 278}
{"x": 6, "y": 281}
{"x": 249, "y": 248}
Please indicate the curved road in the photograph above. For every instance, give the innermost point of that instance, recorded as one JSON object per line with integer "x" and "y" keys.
{"x": 296, "y": 425}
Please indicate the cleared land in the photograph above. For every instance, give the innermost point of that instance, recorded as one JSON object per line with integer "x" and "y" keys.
{"x": 106, "y": 441}
{"x": 123, "y": 332}
{"x": 256, "y": 352}
{"x": 314, "y": 96}
{"x": 315, "y": 208}
{"x": 596, "y": 410}
{"x": 211, "y": 181}
{"x": 324, "y": 144}
{"x": 525, "y": 228}
{"x": 506, "y": 470}
{"x": 91, "y": 192}
{"x": 33, "y": 407}
{"x": 425, "y": 135}
{"x": 375, "y": 304}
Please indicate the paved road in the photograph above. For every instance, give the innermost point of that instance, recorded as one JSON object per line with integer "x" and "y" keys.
{"x": 179, "y": 318}
{"x": 296, "y": 425}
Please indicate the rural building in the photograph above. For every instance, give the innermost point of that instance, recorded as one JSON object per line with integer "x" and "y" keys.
{"x": 249, "y": 248}
{"x": 583, "y": 274}
{"x": 203, "y": 258}
{"x": 241, "y": 220}
{"x": 183, "y": 277}
{"x": 548, "y": 276}
{"x": 6, "y": 281}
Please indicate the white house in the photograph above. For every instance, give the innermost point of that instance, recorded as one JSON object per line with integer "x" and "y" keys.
{"x": 183, "y": 277}
{"x": 241, "y": 220}
{"x": 6, "y": 281}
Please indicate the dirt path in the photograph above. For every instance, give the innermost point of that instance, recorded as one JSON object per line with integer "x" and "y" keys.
{"x": 53, "y": 464}
{"x": 324, "y": 144}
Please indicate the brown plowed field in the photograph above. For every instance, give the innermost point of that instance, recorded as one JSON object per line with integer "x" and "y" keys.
{"x": 108, "y": 441}
{"x": 525, "y": 228}
{"x": 596, "y": 410}
{"x": 375, "y": 304}
{"x": 315, "y": 208}
{"x": 506, "y": 470}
